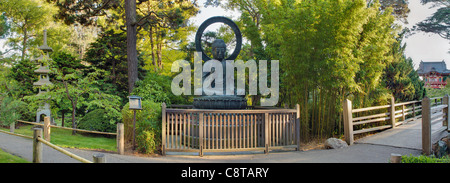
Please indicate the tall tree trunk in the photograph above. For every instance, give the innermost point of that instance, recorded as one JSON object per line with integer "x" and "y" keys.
{"x": 114, "y": 71}
{"x": 74, "y": 107}
{"x": 62, "y": 121}
{"x": 160, "y": 65}
{"x": 25, "y": 39}
{"x": 153, "y": 49}
{"x": 158, "y": 48}
{"x": 130, "y": 14}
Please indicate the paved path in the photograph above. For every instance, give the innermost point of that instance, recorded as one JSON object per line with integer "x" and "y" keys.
{"x": 408, "y": 135}
{"x": 372, "y": 149}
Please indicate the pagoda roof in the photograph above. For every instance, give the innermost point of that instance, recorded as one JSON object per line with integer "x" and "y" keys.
{"x": 42, "y": 82}
{"x": 45, "y": 48}
{"x": 42, "y": 70}
{"x": 427, "y": 67}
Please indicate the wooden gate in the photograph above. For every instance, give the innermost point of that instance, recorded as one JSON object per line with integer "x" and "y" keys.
{"x": 203, "y": 130}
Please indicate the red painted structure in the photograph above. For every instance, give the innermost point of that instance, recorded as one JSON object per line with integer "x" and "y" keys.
{"x": 433, "y": 74}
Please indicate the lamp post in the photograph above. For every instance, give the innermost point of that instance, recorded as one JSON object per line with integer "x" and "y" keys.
{"x": 135, "y": 104}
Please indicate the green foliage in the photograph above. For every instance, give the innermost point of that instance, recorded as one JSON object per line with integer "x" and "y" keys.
{"x": 25, "y": 77}
{"x": 328, "y": 51}
{"x": 437, "y": 92}
{"x": 98, "y": 120}
{"x": 66, "y": 63}
{"x": 439, "y": 22}
{"x": 148, "y": 139}
{"x": 11, "y": 110}
{"x": 400, "y": 77}
{"x": 109, "y": 53}
{"x": 4, "y": 27}
{"x": 28, "y": 18}
{"x": 424, "y": 159}
{"x": 148, "y": 126}
{"x": 157, "y": 88}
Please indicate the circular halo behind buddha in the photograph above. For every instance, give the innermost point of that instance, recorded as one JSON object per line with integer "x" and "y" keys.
{"x": 218, "y": 52}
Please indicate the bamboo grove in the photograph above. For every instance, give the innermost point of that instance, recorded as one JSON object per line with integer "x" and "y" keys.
{"x": 330, "y": 51}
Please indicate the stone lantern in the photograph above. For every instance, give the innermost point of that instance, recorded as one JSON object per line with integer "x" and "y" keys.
{"x": 44, "y": 79}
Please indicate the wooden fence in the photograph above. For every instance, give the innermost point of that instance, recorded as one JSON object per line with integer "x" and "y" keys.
{"x": 431, "y": 110}
{"x": 47, "y": 132}
{"x": 195, "y": 130}
{"x": 37, "y": 149}
{"x": 386, "y": 113}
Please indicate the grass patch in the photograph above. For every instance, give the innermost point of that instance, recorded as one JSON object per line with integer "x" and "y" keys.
{"x": 9, "y": 158}
{"x": 64, "y": 138}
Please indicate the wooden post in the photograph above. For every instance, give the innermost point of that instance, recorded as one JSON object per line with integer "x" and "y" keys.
{"x": 163, "y": 131}
{"x": 266, "y": 132}
{"x": 396, "y": 158}
{"x": 99, "y": 158}
{"x": 297, "y": 127}
{"x": 120, "y": 138}
{"x": 414, "y": 111}
{"x": 47, "y": 128}
{"x": 37, "y": 145}
{"x": 134, "y": 129}
{"x": 392, "y": 112}
{"x": 200, "y": 121}
{"x": 12, "y": 126}
{"x": 445, "y": 101}
{"x": 348, "y": 121}
{"x": 426, "y": 126}
{"x": 448, "y": 141}
{"x": 403, "y": 113}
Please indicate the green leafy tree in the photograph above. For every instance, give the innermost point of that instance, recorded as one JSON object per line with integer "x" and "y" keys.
{"x": 82, "y": 93}
{"x": 85, "y": 12}
{"x": 28, "y": 17}
{"x": 157, "y": 88}
{"x": 66, "y": 64}
{"x": 25, "y": 77}
{"x": 4, "y": 27}
{"x": 400, "y": 76}
{"x": 11, "y": 110}
{"x": 108, "y": 53}
{"x": 400, "y": 8}
{"x": 328, "y": 51}
{"x": 439, "y": 22}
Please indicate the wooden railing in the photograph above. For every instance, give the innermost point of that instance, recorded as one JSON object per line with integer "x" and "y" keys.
{"x": 46, "y": 126}
{"x": 386, "y": 113}
{"x": 431, "y": 110}
{"x": 433, "y": 114}
{"x": 37, "y": 149}
{"x": 195, "y": 130}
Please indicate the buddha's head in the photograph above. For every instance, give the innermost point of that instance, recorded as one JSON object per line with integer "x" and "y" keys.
{"x": 218, "y": 49}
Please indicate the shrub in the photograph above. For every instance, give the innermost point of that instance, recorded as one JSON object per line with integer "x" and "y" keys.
{"x": 157, "y": 88}
{"x": 424, "y": 159}
{"x": 148, "y": 139}
{"x": 148, "y": 126}
{"x": 11, "y": 110}
{"x": 97, "y": 120}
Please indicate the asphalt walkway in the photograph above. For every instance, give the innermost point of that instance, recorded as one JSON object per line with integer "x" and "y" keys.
{"x": 377, "y": 148}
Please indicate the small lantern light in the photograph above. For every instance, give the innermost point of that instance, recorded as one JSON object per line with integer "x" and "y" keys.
{"x": 135, "y": 102}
